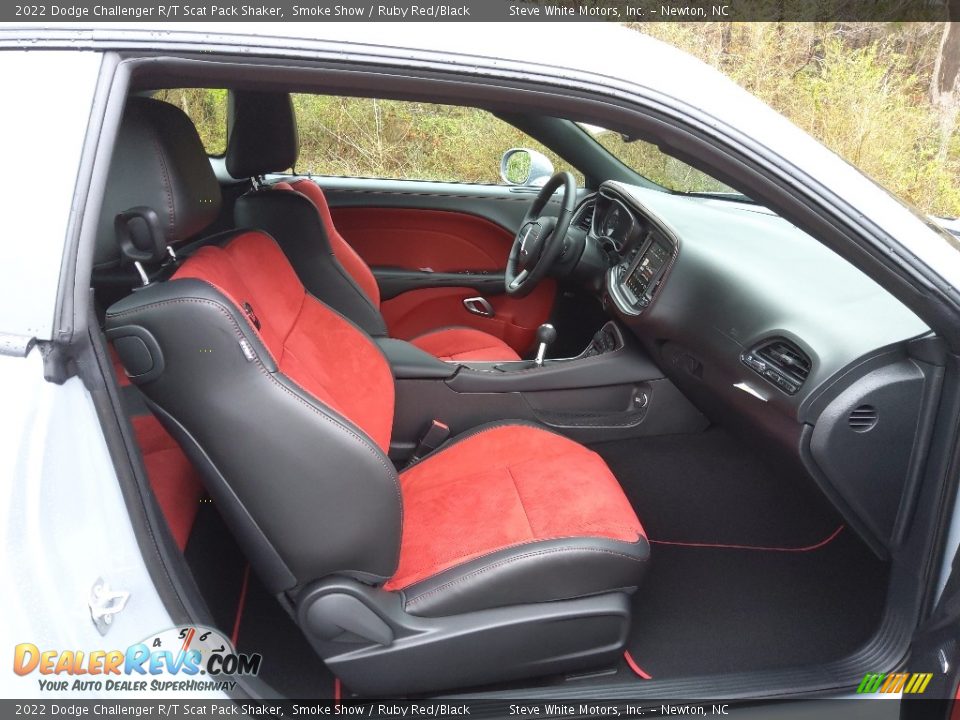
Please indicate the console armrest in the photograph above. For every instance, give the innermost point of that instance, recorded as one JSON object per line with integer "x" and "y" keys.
{"x": 409, "y": 362}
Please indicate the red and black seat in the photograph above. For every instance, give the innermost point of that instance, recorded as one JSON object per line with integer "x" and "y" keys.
{"x": 263, "y": 139}
{"x": 510, "y": 551}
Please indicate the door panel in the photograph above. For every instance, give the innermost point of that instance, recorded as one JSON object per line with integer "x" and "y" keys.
{"x": 416, "y": 239}
{"x": 515, "y": 321}
{"x": 448, "y": 228}
{"x": 503, "y": 205}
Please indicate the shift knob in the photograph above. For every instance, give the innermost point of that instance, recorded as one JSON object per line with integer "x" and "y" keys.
{"x": 546, "y": 334}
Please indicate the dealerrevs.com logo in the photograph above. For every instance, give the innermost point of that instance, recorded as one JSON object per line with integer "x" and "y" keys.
{"x": 179, "y": 659}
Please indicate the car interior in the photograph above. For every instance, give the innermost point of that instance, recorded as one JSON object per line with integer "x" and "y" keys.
{"x": 409, "y": 439}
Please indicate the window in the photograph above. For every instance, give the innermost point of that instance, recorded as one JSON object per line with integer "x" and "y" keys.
{"x": 362, "y": 137}
{"x": 208, "y": 111}
{"x": 648, "y": 160}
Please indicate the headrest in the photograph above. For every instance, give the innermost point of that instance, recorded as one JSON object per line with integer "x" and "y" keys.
{"x": 158, "y": 162}
{"x": 262, "y": 133}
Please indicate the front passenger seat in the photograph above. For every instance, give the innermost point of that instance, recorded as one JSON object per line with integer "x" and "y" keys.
{"x": 509, "y": 552}
{"x": 263, "y": 139}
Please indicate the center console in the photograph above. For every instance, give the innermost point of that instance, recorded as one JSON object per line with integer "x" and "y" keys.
{"x": 612, "y": 389}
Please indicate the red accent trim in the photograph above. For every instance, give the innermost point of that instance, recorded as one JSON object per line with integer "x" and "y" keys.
{"x": 337, "y": 690}
{"x": 460, "y": 343}
{"x": 417, "y": 312}
{"x": 759, "y": 548}
{"x": 241, "y": 603}
{"x": 413, "y": 238}
{"x": 511, "y": 485}
{"x": 121, "y": 374}
{"x": 174, "y": 481}
{"x": 639, "y": 671}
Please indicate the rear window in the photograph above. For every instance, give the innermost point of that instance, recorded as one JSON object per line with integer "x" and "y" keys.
{"x": 208, "y": 110}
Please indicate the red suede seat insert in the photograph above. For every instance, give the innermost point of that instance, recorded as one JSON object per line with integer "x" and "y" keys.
{"x": 310, "y": 343}
{"x": 460, "y": 343}
{"x": 174, "y": 481}
{"x": 505, "y": 486}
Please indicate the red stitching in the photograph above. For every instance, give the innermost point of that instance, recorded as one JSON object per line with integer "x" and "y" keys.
{"x": 758, "y": 548}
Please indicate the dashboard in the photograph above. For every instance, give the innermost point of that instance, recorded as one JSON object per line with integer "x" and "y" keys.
{"x": 767, "y": 329}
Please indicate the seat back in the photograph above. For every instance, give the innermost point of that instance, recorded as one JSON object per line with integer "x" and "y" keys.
{"x": 263, "y": 139}
{"x": 285, "y": 406}
{"x": 342, "y": 250}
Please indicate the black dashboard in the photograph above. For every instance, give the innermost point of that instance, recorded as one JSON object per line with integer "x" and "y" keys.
{"x": 763, "y": 325}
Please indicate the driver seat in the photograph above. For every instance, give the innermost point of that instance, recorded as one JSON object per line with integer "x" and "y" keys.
{"x": 263, "y": 139}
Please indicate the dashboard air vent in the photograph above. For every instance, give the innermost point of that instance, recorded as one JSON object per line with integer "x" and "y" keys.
{"x": 863, "y": 418}
{"x": 584, "y": 217}
{"x": 781, "y": 362}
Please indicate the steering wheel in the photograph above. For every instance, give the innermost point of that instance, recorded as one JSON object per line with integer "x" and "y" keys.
{"x": 540, "y": 239}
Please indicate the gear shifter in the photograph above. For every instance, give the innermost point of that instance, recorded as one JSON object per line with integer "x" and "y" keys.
{"x": 546, "y": 334}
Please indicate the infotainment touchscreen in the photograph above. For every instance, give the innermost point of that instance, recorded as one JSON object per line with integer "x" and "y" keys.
{"x": 647, "y": 269}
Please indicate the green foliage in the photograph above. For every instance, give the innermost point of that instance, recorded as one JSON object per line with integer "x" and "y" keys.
{"x": 207, "y": 109}
{"x": 664, "y": 170}
{"x": 360, "y": 137}
{"x": 861, "y": 89}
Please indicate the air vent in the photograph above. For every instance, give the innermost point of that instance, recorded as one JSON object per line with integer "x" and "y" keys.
{"x": 863, "y": 418}
{"x": 584, "y": 218}
{"x": 780, "y": 362}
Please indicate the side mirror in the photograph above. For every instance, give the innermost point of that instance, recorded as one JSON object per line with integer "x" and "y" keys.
{"x": 521, "y": 166}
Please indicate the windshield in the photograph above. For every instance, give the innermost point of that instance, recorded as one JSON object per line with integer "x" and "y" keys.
{"x": 655, "y": 165}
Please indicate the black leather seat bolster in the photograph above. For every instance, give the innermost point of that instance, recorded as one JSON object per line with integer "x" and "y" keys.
{"x": 310, "y": 481}
{"x": 534, "y": 572}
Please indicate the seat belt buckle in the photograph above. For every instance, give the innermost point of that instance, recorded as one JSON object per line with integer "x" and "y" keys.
{"x": 433, "y": 438}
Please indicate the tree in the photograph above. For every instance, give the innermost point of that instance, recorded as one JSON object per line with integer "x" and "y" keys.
{"x": 945, "y": 84}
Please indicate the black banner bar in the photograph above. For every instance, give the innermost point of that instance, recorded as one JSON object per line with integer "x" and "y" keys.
{"x": 67, "y": 709}
{"x": 481, "y": 10}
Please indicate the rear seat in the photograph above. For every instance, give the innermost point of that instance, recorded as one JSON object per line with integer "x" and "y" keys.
{"x": 173, "y": 479}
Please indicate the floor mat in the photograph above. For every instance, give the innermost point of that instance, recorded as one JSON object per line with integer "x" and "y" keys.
{"x": 711, "y": 488}
{"x": 710, "y": 610}
{"x": 750, "y": 567}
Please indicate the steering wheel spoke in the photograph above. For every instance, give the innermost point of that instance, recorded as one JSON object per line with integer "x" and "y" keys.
{"x": 540, "y": 240}
{"x": 518, "y": 280}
